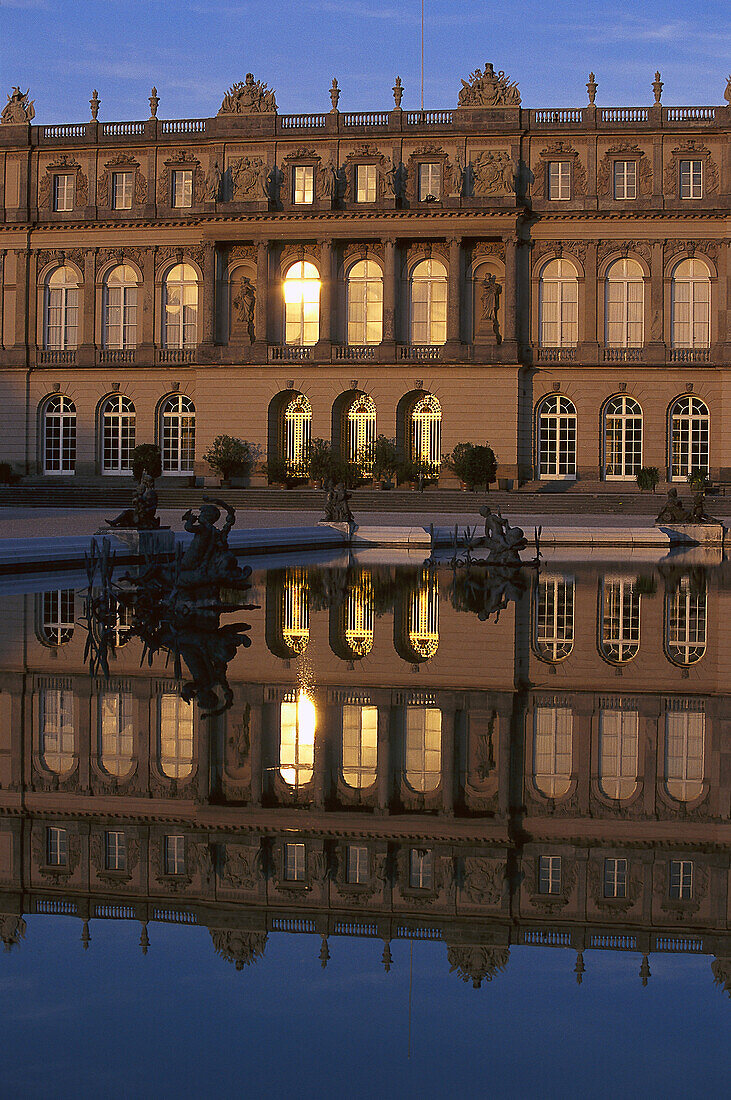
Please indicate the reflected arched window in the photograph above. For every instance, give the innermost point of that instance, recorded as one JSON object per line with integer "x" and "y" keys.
{"x": 618, "y": 752}
{"x": 59, "y": 435}
{"x": 426, "y": 433}
{"x": 175, "y": 736}
{"x": 691, "y": 305}
{"x": 552, "y": 750}
{"x": 557, "y": 438}
{"x": 302, "y": 304}
{"x": 358, "y": 616}
{"x": 429, "y": 303}
{"x": 297, "y": 740}
{"x": 116, "y": 732}
{"x": 685, "y": 732}
{"x": 625, "y": 305}
{"x": 686, "y": 613}
{"x": 365, "y": 303}
{"x": 620, "y": 620}
{"x": 361, "y": 431}
{"x": 120, "y": 307}
{"x": 297, "y": 434}
{"x": 360, "y": 745}
{"x": 690, "y": 427}
{"x": 622, "y": 438}
{"x": 118, "y": 434}
{"x": 553, "y": 621}
{"x": 61, "y": 309}
{"x": 177, "y": 416}
{"x": 58, "y": 612}
{"x": 295, "y": 610}
{"x": 422, "y": 633}
{"x": 180, "y": 307}
{"x": 423, "y": 749}
{"x": 56, "y": 731}
{"x": 559, "y": 305}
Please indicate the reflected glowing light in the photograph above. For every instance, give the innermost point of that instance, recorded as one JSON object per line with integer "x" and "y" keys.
{"x": 302, "y": 284}
{"x": 297, "y": 740}
{"x": 306, "y": 719}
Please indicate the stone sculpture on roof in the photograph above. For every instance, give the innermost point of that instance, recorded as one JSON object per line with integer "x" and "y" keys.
{"x": 18, "y": 108}
{"x": 489, "y": 89}
{"x": 250, "y": 97}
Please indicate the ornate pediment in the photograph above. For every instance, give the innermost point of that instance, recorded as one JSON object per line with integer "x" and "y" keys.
{"x": 19, "y": 108}
{"x": 488, "y": 89}
{"x": 477, "y": 963}
{"x": 249, "y": 97}
{"x": 239, "y": 947}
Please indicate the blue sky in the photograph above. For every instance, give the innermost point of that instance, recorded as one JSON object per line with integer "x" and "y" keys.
{"x": 194, "y": 49}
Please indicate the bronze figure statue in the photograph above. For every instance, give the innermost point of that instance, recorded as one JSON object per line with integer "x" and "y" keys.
{"x": 142, "y": 515}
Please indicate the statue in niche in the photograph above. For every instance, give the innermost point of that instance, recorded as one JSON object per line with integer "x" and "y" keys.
{"x": 388, "y": 179}
{"x": 19, "y": 108}
{"x": 142, "y": 515}
{"x": 212, "y": 189}
{"x": 337, "y": 509}
{"x": 325, "y": 181}
{"x": 245, "y": 303}
{"x": 490, "y": 300}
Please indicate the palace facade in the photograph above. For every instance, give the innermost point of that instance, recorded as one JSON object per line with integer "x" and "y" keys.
{"x": 552, "y": 281}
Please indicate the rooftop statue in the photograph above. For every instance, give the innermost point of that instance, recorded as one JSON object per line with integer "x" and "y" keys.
{"x": 18, "y": 108}
{"x": 250, "y": 97}
{"x": 489, "y": 89}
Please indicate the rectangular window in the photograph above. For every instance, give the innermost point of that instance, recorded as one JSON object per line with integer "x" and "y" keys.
{"x": 430, "y": 182}
{"x": 357, "y": 864}
{"x": 559, "y": 179}
{"x": 549, "y": 875}
{"x": 115, "y": 851}
{"x": 122, "y": 188}
{"x": 175, "y": 855}
{"x": 365, "y": 190}
{"x": 615, "y": 878}
{"x": 691, "y": 179}
{"x": 183, "y": 188}
{"x": 294, "y": 862}
{"x": 625, "y": 179}
{"x": 63, "y": 191}
{"x": 303, "y": 184}
{"x": 681, "y": 879}
{"x": 56, "y": 847}
{"x": 421, "y": 869}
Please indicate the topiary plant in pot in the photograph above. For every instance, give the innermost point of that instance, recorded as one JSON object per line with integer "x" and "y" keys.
{"x": 146, "y": 459}
{"x": 648, "y": 478}
{"x": 229, "y": 456}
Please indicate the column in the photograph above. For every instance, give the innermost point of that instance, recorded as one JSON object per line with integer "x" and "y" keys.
{"x": 3, "y": 326}
{"x": 261, "y": 316}
{"x": 448, "y": 760}
{"x": 21, "y": 297}
{"x": 255, "y": 752}
{"x": 509, "y": 342}
{"x": 655, "y": 315}
{"x": 389, "y": 298}
{"x": 209, "y": 295}
{"x": 147, "y": 304}
{"x": 325, "y": 340}
{"x": 454, "y": 290}
{"x": 589, "y": 347}
{"x": 383, "y": 758}
{"x": 87, "y": 348}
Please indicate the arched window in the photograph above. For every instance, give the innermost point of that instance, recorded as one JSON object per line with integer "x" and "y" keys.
{"x": 365, "y": 303}
{"x": 557, "y": 438}
{"x": 295, "y": 610}
{"x": 175, "y": 736}
{"x": 691, "y": 305}
{"x": 685, "y": 732}
{"x": 120, "y": 307}
{"x": 429, "y": 303}
{"x": 297, "y": 740}
{"x": 690, "y": 425}
{"x": 559, "y": 305}
{"x": 686, "y": 612}
{"x": 553, "y": 620}
{"x": 622, "y": 438}
{"x": 422, "y": 634}
{"x": 361, "y": 431}
{"x": 61, "y": 309}
{"x": 423, "y": 749}
{"x": 297, "y": 435}
{"x": 57, "y": 617}
{"x": 59, "y": 435}
{"x": 360, "y": 745}
{"x": 56, "y": 731}
{"x": 118, "y": 434}
{"x": 302, "y": 304}
{"x": 180, "y": 306}
{"x": 116, "y": 732}
{"x": 177, "y": 415}
{"x": 359, "y": 616}
{"x": 625, "y": 305}
{"x": 426, "y": 433}
{"x": 618, "y": 752}
{"x": 620, "y": 621}
{"x": 552, "y": 750}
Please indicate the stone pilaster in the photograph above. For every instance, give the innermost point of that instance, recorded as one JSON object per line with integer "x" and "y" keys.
{"x": 510, "y": 313}
{"x": 454, "y": 296}
{"x": 209, "y": 295}
{"x": 383, "y": 760}
{"x": 388, "y": 345}
{"x": 324, "y": 344}
{"x": 261, "y": 317}
{"x": 87, "y": 346}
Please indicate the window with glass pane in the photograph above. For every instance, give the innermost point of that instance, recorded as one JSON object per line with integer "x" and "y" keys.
{"x": 559, "y": 305}
{"x": 56, "y": 846}
{"x": 559, "y": 179}
{"x": 691, "y": 179}
{"x": 421, "y": 869}
{"x": 615, "y": 878}
{"x": 554, "y": 618}
{"x": 625, "y": 179}
{"x": 122, "y": 190}
{"x": 685, "y": 732}
{"x": 116, "y": 732}
{"x": 686, "y": 616}
{"x": 357, "y": 864}
{"x": 557, "y": 438}
{"x": 625, "y": 305}
{"x": 423, "y": 749}
{"x": 365, "y": 303}
{"x": 174, "y": 847}
{"x": 549, "y": 875}
{"x": 429, "y": 303}
{"x": 622, "y": 438}
{"x": 361, "y": 431}
{"x": 294, "y": 861}
{"x": 620, "y": 620}
{"x": 360, "y": 745}
{"x": 302, "y": 305}
{"x": 422, "y": 622}
{"x": 690, "y": 427}
{"x": 63, "y": 191}
{"x": 61, "y": 309}
{"x": 181, "y": 307}
{"x": 681, "y": 879}
{"x": 552, "y": 750}
{"x": 178, "y": 434}
{"x": 58, "y": 616}
{"x": 691, "y": 305}
{"x": 56, "y": 732}
{"x": 115, "y": 851}
{"x": 175, "y": 736}
{"x": 366, "y": 179}
{"x": 618, "y": 752}
{"x": 118, "y": 435}
{"x": 59, "y": 435}
{"x": 297, "y": 740}
{"x": 430, "y": 181}
{"x": 182, "y": 183}
{"x": 120, "y": 308}
{"x": 297, "y": 435}
{"x": 303, "y": 184}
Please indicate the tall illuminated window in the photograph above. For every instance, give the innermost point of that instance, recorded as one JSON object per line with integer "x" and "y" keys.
{"x": 58, "y": 616}
{"x": 177, "y": 416}
{"x": 116, "y": 732}
{"x": 295, "y": 617}
{"x": 120, "y": 307}
{"x": 358, "y": 616}
{"x": 360, "y": 745}
{"x": 61, "y": 309}
{"x": 365, "y": 302}
{"x": 297, "y": 434}
{"x": 56, "y": 730}
{"x": 686, "y": 614}
{"x": 180, "y": 307}
{"x": 625, "y": 305}
{"x": 690, "y": 428}
{"x": 685, "y": 734}
{"x": 552, "y": 749}
{"x": 557, "y": 438}
{"x": 426, "y": 433}
{"x": 366, "y": 180}
{"x": 59, "y": 435}
{"x": 361, "y": 431}
{"x": 175, "y": 736}
{"x": 622, "y": 438}
{"x": 297, "y": 740}
{"x": 691, "y": 305}
{"x": 423, "y": 616}
{"x": 559, "y": 305}
{"x": 302, "y": 304}
{"x": 118, "y": 421}
{"x": 429, "y": 303}
{"x": 553, "y": 622}
{"x": 423, "y": 749}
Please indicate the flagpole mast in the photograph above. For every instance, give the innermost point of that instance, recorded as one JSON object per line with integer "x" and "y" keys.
{"x": 422, "y": 55}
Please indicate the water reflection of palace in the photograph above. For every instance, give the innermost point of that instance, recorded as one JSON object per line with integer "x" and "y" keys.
{"x": 392, "y": 766}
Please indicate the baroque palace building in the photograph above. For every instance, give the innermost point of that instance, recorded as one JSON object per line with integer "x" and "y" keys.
{"x": 553, "y": 281}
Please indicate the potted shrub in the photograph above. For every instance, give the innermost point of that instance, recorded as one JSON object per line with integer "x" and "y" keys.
{"x": 458, "y": 462}
{"x": 698, "y": 479}
{"x": 146, "y": 459}
{"x": 482, "y": 467}
{"x": 648, "y": 478}
{"x": 383, "y": 458}
{"x": 8, "y": 475}
{"x": 228, "y": 456}
{"x": 320, "y": 461}
{"x": 276, "y": 470}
